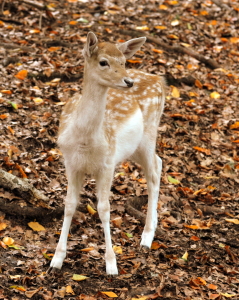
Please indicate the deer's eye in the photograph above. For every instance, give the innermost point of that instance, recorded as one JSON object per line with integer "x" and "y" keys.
{"x": 104, "y": 63}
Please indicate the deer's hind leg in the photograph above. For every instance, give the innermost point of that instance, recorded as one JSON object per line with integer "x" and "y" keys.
{"x": 152, "y": 165}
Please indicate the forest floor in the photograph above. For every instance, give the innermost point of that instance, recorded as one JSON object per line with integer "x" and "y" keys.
{"x": 41, "y": 67}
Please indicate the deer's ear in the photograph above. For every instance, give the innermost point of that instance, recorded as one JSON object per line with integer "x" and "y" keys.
{"x": 130, "y": 47}
{"x": 90, "y": 45}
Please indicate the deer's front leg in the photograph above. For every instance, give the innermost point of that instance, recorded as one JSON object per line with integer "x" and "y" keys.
{"x": 104, "y": 181}
{"x": 74, "y": 184}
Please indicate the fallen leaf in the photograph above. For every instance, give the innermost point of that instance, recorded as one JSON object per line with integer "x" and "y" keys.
{"x": 234, "y": 40}
{"x": 212, "y": 286}
{"x": 175, "y": 92}
{"x": 53, "y": 49}
{"x": 194, "y": 238}
{"x": 215, "y": 95}
{"x": 8, "y": 241}
{"x": 117, "y": 249}
{"x": 18, "y": 287}
{"x": 110, "y": 294}
{"x": 134, "y": 61}
{"x": 175, "y": 22}
{"x": 173, "y": 180}
{"x": 117, "y": 222}
{"x": 213, "y": 296}
{"x": 6, "y": 92}
{"x": 36, "y": 226}
{"x": 227, "y": 295}
{"x": 234, "y": 221}
{"x": 234, "y": 126}
{"x": 198, "y": 84}
{"x": 160, "y": 27}
{"x": 90, "y": 209}
{"x": 173, "y": 37}
{"x": 21, "y": 74}
{"x": 38, "y": 101}
{"x": 87, "y": 249}
{"x": 78, "y": 277}
{"x": 69, "y": 290}
{"x": 203, "y": 150}
{"x": 143, "y": 28}
{"x": 3, "y": 226}
{"x": 157, "y": 51}
{"x": 185, "y": 256}
{"x": 163, "y": 7}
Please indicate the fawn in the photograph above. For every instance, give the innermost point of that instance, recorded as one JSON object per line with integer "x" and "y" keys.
{"x": 116, "y": 118}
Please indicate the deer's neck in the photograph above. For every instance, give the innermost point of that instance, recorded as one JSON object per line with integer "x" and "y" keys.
{"x": 91, "y": 109}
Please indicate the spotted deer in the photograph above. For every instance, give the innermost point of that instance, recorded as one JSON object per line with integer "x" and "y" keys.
{"x": 116, "y": 118}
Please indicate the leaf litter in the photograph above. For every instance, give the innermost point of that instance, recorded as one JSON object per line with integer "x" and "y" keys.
{"x": 197, "y": 143}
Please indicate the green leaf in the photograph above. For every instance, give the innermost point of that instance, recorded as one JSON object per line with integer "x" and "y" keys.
{"x": 16, "y": 247}
{"x": 46, "y": 256}
{"x": 129, "y": 235}
{"x": 14, "y": 105}
{"x": 173, "y": 180}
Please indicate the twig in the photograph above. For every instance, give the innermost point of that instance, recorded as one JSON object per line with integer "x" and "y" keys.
{"x": 176, "y": 49}
{"x": 35, "y": 4}
{"x": 221, "y": 4}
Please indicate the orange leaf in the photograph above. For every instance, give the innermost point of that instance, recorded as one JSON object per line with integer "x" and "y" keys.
{"x": 8, "y": 241}
{"x": 20, "y": 169}
{"x": 157, "y": 51}
{"x": 201, "y": 281}
{"x": 3, "y": 226}
{"x": 191, "y": 226}
{"x": 87, "y": 249}
{"x": 234, "y": 40}
{"x": 72, "y": 23}
{"x": 6, "y": 92}
{"x": 203, "y": 12}
{"x": 35, "y": 31}
{"x": 110, "y": 294}
{"x": 173, "y": 37}
{"x": 134, "y": 61}
{"x": 212, "y": 286}
{"x": 160, "y": 27}
{"x": 194, "y": 238}
{"x": 4, "y": 116}
{"x": 163, "y": 7}
{"x": 214, "y": 296}
{"x": 213, "y": 22}
{"x": 21, "y": 74}
{"x": 53, "y": 49}
{"x": 198, "y": 84}
{"x": 234, "y": 126}
{"x": 203, "y": 150}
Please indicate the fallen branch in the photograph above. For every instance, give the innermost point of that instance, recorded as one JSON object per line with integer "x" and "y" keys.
{"x": 22, "y": 188}
{"x": 33, "y": 212}
{"x": 133, "y": 206}
{"x": 66, "y": 77}
{"x": 176, "y": 49}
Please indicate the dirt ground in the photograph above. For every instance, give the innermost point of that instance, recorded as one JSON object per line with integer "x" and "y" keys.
{"x": 196, "y": 257}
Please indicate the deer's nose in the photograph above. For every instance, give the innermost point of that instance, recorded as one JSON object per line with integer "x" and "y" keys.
{"x": 129, "y": 82}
